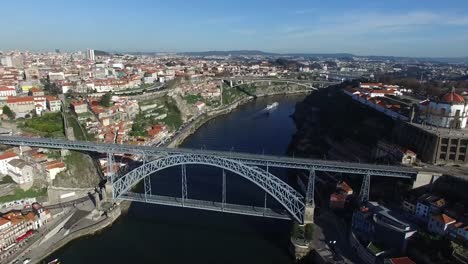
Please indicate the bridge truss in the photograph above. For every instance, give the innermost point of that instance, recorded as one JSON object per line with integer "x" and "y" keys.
{"x": 248, "y": 166}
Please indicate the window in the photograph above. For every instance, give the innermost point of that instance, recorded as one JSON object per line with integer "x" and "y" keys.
{"x": 453, "y": 149}
{"x": 452, "y": 157}
{"x": 443, "y": 149}
{"x": 443, "y": 156}
{"x": 461, "y": 157}
{"x": 454, "y": 141}
{"x": 445, "y": 141}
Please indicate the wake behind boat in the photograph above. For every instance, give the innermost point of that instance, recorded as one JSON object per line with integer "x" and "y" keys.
{"x": 272, "y": 106}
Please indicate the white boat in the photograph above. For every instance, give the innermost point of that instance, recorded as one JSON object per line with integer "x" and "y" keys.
{"x": 272, "y": 106}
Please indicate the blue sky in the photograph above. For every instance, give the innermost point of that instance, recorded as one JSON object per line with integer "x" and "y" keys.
{"x": 364, "y": 27}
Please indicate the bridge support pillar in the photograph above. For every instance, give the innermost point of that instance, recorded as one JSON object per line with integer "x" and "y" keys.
{"x": 365, "y": 188}
{"x": 425, "y": 178}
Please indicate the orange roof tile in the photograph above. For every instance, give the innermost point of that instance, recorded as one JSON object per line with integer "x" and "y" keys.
{"x": 7, "y": 155}
{"x": 443, "y": 218}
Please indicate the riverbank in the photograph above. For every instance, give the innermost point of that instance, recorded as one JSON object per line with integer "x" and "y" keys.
{"x": 192, "y": 128}
{"x": 89, "y": 230}
{"x": 172, "y": 230}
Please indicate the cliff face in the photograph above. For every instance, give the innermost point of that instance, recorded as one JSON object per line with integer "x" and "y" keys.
{"x": 331, "y": 125}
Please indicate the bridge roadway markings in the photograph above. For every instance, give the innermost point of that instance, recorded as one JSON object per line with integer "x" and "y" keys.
{"x": 248, "y": 159}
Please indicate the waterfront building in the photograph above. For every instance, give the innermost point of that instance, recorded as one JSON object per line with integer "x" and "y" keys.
{"x": 383, "y": 226}
{"x": 15, "y": 227}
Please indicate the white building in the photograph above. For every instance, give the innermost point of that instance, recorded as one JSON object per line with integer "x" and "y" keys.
{"x": 56, "y": 76}
{"x": 53, "y": 104}
{"x": 4, "y": 159}
{"x": 450, "y": 111}
{"x": 90, "y": 54}
{"x": 20, "y": 171}
{"x": 7, "y": 91}
{"x": 200, "y": 105}
{"x": 53, "y": 168}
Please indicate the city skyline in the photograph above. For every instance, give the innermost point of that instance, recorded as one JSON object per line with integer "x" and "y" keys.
{"x": 394, "y": 29}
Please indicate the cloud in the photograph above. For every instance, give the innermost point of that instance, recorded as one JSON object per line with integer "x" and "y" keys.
{"x": 244, "y": 31}
{"x": 304, "y": 11}
{"x": 375, "y": 23}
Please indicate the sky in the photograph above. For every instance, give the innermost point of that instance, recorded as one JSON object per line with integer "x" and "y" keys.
{"x": 415, "y": 28}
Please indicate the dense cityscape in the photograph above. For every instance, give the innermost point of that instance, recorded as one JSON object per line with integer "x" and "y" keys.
{"x": 113, "y": 152}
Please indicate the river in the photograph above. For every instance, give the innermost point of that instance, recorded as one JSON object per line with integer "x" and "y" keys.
{"x": 158, "y": 234}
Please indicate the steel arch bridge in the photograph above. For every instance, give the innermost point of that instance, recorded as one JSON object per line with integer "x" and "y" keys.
{"x": 305, "y": 85}
{"x": 287, "y": 196}
{"x": 246, "y": 165}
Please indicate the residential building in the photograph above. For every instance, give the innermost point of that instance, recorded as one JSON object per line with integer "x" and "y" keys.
{"x": 79, "y": 107}
{"x": 439, "y": 224}
{"x": 428, "y": 205}
{"x": 20, "y": 171}
{"x": 36, "y": 92}
{"x": 6, "y": 157}
{"x": 56, "y": 76}
{"x": 7, "y": 91}
{"x": 458, "y": 230}
{"x": 384, "y": 226}
{"x": 53, "y": 168}
{"x": 21, "y": 104}
{"x": 14, "y": 227}
{"x": 53, "y": 104}
{"x": 409, "y": 206}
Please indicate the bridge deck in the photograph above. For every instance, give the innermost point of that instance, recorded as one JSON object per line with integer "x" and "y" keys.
{"x": 206, "y": 205}
{"x": 249, "y": 159}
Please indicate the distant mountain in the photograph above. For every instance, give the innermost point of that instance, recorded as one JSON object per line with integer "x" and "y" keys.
{"x": 229, "y": 52}
{"x": 345, "y": 56}
{"x": 101, "y": 53}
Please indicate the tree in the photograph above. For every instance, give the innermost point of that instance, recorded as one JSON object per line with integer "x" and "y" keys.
{"x": 106, "y": 100}
{"x": 7, "y": 111}
{"x": 309, "y": 231}
{"x": 296, "y": 231}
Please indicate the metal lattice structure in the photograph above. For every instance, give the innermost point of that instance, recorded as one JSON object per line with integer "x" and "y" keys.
{"x": 246, "y": 165}
{"x": 287, "y": 196}
{"x": 245, "y": 158}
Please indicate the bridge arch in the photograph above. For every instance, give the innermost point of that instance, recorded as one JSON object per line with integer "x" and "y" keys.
{"x": 287, "y": 196}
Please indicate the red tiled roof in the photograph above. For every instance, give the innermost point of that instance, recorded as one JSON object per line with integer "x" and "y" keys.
{"x": 402, "y": 260}
{"x": 443, "y": 218}
{"x": 7, "y": 155}
{"x": 27, "y": 99}
{"x": 453, "y": 97}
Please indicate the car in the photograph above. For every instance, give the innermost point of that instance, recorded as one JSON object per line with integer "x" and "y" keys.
{"x": 25, "y": 261}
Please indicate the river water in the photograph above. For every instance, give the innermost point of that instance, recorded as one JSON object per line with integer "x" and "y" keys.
{"x": 158, "y": 234}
